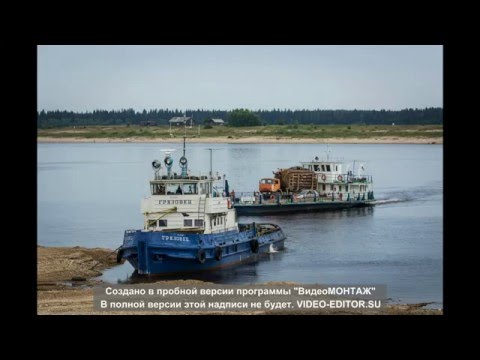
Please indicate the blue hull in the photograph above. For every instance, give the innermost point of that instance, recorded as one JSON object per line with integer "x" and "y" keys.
{"x": 152, "y": 252}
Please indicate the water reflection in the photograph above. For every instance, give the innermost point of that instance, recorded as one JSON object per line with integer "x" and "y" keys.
{"x": 245, "y": 272}
{"x": 311, "y": 217}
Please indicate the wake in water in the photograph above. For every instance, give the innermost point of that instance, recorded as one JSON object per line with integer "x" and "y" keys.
{"x": 418, "y": 193}
{"x": 387, "y": 201}
{"x": 271, "y": 249}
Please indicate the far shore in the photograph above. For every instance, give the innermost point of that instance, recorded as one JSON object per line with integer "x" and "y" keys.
{"x": 250, "y": 140}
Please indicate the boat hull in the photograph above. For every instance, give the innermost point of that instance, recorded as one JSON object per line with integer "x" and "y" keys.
{"x": 151, "y": 252}
{"x": 288, "y": 208}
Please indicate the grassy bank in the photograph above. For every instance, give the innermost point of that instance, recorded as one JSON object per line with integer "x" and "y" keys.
{"x": 271, "y": 131}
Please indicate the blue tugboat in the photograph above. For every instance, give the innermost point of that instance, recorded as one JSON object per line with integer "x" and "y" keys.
{"x": 190, "y": 226}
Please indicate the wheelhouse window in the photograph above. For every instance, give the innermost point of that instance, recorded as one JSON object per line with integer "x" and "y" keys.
{"x": 189, "y": 189}
{"x": 157, "y": 189}
{"x": 173, "y": 189}
{"x": 162, "y": 223}
{"x": 187, "y": 222}
{"x": 328, "y": 167}
{"x": 315, "y": 167}
{"x": 182, "y": 189}
{"x": 323, "y": 167}
{"x": 199, "y": 222}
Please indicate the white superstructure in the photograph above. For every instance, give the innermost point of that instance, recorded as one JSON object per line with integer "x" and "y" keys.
{"x": 341, "y": 181}
{"x": 186, "y": 203}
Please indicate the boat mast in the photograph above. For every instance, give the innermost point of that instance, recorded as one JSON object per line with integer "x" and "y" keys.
{"x": 211, "y": 170}
{"x": 184, "y": 137}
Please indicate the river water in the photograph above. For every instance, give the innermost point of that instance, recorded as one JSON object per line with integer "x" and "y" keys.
{"x": 88, "y": 194}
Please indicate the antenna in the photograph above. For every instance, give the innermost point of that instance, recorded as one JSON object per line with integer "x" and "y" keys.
{"x": 211, "y": 172}
{"x": 183, "y": 160}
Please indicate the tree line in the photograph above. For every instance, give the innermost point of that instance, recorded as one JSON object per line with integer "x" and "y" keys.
{"x": 242, "y": 117}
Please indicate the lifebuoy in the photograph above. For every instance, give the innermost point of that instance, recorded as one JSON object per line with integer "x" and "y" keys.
{"x": 340, "y": 177}
{"x": 218, "y": 252}
{"x": 201, "y": 256}
{"x": 254, "y": 245}
{"x": 323, "y": 177}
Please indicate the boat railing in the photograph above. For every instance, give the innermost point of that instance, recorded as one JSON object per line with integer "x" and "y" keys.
{"x": 266, "y": 228}
{"x": 344, "y": 178}
{"x": 256, "y": 198}
{"x": 358, "y": 178}
{"x": 224, "y": 230}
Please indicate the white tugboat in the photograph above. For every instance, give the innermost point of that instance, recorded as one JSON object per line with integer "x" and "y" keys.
{"x": 317, "y": 185}
{"x": 190, "y": 225}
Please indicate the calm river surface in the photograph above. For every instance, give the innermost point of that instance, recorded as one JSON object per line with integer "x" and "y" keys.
{"x": 88, "y": 194}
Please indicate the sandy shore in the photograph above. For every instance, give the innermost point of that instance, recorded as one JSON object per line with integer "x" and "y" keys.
{"x": 65, "y": 287}
{"x": 57, "y": 266}
{"x": 251, "y": 140}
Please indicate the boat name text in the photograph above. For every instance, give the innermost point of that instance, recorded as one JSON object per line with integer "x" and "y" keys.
{"x": 174, "y": 238}
{"x": 174, "y": 202}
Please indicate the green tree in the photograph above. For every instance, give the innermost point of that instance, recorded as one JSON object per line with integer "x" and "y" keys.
{"x": 243, "y": 117}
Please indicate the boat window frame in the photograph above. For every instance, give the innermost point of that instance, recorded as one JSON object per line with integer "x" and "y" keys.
{"x": 155, "y": 186}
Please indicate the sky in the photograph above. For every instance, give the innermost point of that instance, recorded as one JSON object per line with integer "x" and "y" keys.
{"x": 362, "y": 77}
